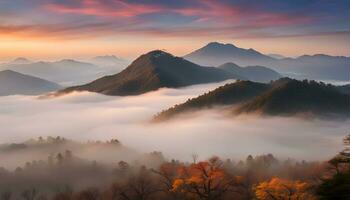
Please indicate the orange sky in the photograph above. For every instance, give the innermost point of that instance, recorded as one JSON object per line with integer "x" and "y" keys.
{"x": 56, "y": 29}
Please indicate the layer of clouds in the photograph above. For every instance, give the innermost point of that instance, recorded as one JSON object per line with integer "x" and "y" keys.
{"x": 240, "y": 19}
{"x": 88, "y": 116}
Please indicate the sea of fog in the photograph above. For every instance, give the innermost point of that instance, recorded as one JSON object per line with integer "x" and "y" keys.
{"x": 89, "y": 116}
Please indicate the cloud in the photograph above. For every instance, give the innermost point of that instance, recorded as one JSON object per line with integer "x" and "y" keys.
{"x": 83, "y": 18}
{"x": 88, "y": 116}
{"x": 102, "y": 8}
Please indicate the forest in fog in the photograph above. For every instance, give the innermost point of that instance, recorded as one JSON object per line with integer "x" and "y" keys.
{"x": 62, "y": 175}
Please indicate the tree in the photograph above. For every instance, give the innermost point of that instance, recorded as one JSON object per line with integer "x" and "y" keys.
{"x": 89, "y": 194}
{"x": 338, "y": 186}
{"x": 204, "y": 180}
{"x": 30, "y": 194}
{"x": 6, "y": 195}
{"x": 342, "y": 160}
{"x": 140, "y": 186}
{"x": 65, "y": 194}
{"x": 168, "y": 173}
{"x": 281, "y": 189}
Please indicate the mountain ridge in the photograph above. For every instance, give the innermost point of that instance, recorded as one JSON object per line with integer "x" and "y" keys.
{"x": 317, "y": 66}
{"x": 282, "y": 97}
{"x": 152, "y": 71}
{"x": 14, "y": 83}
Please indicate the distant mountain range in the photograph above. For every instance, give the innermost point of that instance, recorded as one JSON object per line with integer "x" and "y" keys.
{"x": 20, "y": 60}
{"x": 253, "y": 73}
{"x": 215, "y": 54}
{"x": 286, "y": 97}
{"x": 110, "y": 63}
{"x": 14, "y": 83}
{"x": 107, "y": 60}
{"x": 319, "y": 66}
{"x": 158, "y": 69}
{"x": 276, "y": 56}
{"x": 68, "y": 72}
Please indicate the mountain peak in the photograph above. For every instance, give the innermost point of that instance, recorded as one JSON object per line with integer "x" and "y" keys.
{"x": 151, "y": 71}
{"x": 219, "y": 45}
{"x": 20, "y": 60}
{"x": 8, "y": 71}
{"x": 215, "y": 53}
{"x": 158, "y": 53}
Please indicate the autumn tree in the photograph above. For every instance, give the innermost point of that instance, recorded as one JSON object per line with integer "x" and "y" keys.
{"x": 204, "y": 180}
{"x": 281, "y": 189}
{"x": 167, "y": 173}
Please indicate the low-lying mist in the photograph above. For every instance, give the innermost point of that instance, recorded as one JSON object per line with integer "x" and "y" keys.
{"x": 89, "y": 116}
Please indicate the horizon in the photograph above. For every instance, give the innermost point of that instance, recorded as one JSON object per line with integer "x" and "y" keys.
{"x": 78, "y": 29}
{"x": 86, "y": 57}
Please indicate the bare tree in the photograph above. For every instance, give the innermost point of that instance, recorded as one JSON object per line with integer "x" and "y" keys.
{"x": 137, "y": 187}
{"x": 30, "y": 194}
{"x": 89, "y": 194}
{"x": 6, "y": 195}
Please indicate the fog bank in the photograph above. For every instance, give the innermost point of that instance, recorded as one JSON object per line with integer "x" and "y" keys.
{"x": 89, "y": 116}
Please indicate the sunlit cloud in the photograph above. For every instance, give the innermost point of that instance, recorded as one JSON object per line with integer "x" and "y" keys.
{"x": 208, "y": 20}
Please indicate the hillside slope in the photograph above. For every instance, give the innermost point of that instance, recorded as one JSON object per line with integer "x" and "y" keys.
{"x": 14, "y": 83}
{"x": 282, "y": 97}
{"x": 252, "y": 73}
{"x": 152, "y": 71}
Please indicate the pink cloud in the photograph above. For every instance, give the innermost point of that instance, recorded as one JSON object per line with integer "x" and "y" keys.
{"x": 225, "y": 13}
{"x": 99, "y": 8}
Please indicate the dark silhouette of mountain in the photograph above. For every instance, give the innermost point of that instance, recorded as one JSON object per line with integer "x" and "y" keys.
{"x": 293, "y": 97}
{"x": 228, "y": 94}
{"x": 214, "y": 54}
{"x": 344, "y": 89}
{"x": 282, "y": 97}
{"x": 152, "y": 71}
{"x": 319, "y": 66}
{"x": 65, "y": 72}
{"x": 13, "y": 83}
{"x": 253, "y": 73}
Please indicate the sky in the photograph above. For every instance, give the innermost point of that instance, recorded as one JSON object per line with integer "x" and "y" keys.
{"x": 82, "y": 28}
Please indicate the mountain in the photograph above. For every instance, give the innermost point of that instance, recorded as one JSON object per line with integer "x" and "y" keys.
{"x": 295, "y": 97}
{"x": 20, "y": 60}
{"x": 214, "y": 54}
{"x": 276, "y": 56}
{"x": 318, "y": 67}
{"x": 108, "y": 60}
{"x": 13, "y": 83}
{"x": 152, "y": 71}
{"x": 344, "y": 89}
{"x": 65, "y": 72}
{"x": 253, "y": 73}
{"x": 282, "y": 97}
{"x": 228, "y": 94}
{"x": 111, "y": 63}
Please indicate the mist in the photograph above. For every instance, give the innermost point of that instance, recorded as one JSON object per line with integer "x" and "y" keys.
{"x": 88, "y": 116}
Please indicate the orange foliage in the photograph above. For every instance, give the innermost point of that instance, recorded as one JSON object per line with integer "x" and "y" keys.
{"x": 205, "y": 180}
{"x": 280, "y": 189}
